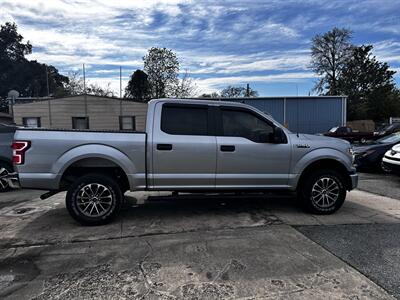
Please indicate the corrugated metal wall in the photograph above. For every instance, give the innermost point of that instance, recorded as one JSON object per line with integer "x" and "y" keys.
{"x": 302, "y": 114}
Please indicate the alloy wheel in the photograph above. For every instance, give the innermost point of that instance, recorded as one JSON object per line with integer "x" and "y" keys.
{"x": 3, "y": 182}
{"x": 325, "y": 192}
{"x": 94, "y": 200}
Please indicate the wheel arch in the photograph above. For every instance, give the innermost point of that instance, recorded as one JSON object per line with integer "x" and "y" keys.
{"x": 325, "y": 163}
{"x": 91, "y": 159}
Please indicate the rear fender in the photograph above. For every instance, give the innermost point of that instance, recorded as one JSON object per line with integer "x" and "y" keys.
{"x": 95, "y": 151}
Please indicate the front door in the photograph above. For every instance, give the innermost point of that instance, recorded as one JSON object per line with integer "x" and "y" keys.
{"x": 247, "y": 157}
{"x": 183, "y": 147}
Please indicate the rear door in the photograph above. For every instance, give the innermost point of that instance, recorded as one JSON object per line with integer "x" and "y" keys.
{"x": 183, "y": 147}
{"x": 246, "y": 158}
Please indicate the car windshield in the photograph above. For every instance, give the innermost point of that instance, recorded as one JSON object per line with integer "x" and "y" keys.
{"x": 333, "y": 129}
{"x": 390, "y": 127}
{"x": 392, "y": 138}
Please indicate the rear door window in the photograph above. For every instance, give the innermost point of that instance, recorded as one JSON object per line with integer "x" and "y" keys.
{"x": 184, "y": 120}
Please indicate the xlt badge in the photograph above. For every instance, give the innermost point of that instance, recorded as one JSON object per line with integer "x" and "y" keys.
{"x": 302, "y": 146}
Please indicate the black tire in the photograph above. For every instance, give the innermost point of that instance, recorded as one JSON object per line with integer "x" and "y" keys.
{"x": 76, "y": 199}
{"x": 317, "y": 203}
{"x": 4, "y": 170}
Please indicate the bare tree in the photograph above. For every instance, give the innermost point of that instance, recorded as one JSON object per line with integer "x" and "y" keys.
{"x": 329, "y": 53}
{"x": 185, "y": 87}
{"x": 212, "y": 95}
{"x": 96, "y": 90}
{"x": 238, "y": 91}
{"x": 75, "y": 86}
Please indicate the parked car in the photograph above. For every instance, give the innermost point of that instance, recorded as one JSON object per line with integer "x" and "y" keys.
{"x": 6, "y": 138}
{"x": 389, "y": 129}
{"x": 348, "y": 134}
{"x": 391, "y": 160}
{"x": 369, "y": 157}
{"x": 190, "y": 146}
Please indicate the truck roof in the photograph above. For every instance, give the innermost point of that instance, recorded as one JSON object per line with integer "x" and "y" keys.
{"x": 198, "y": 101}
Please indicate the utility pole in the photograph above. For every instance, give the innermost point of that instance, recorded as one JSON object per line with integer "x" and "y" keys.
{"x": 120, "y": 90}
{"x": 120, "y": 82}
{"x": 248, "y": 90}
{"x": 84, "y": 90}
{"x": 48, "y": 96}
{"x": 47, "y": 82}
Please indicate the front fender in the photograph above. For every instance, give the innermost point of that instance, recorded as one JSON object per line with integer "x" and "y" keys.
{"x": 320, "y": 154}
{"x": 93, "y": 151}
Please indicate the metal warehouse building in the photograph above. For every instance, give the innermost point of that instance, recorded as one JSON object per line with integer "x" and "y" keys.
{"x": 309, "y": 114}
{"x": 313, "y": 114}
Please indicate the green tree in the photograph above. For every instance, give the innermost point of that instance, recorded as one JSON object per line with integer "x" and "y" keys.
{"x": 138, "y": 86}
{"x": 18, "y": 73}
{"x": 369, "y": 85}
{"x": 162, "y": 67}
{"x": 329, "y": 54}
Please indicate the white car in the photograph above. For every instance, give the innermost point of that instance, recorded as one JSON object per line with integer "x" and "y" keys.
{"x": 391, "y": 160}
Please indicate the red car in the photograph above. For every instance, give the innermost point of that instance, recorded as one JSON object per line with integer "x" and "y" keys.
{"x": 348, "y": 134}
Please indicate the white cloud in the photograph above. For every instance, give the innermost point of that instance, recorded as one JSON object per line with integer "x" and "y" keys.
{"x": 216, "y": 83}
{"x": 219, "y": 43}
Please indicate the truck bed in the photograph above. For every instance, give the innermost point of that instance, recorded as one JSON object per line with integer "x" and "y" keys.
{"x": 53, "y": 150}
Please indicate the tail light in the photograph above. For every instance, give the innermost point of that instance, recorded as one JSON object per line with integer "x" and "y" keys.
{"x": 19, "y": 149}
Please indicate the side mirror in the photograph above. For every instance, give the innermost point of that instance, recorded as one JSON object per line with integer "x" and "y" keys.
{"x": 279, "y": 136}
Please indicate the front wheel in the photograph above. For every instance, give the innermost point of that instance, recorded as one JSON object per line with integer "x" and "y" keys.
{"x": 94, "y": 199}
{"x": 323, "y": 192}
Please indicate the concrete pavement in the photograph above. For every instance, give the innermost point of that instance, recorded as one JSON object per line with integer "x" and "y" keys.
{"x": 13, "y": 197}
{"x": 379, "y": 183}
{"x": 196, "y": 247}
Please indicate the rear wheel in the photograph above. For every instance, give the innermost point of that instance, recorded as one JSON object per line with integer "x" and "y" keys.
{"x": 94, "y": 199}
{"x": 5, "y": 169}
{"x": 323, "y": 192}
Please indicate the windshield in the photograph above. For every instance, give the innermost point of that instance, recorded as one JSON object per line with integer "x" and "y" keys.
{"x": 390, "y": 127}
{"x": 392, "y": 138}
{"x": 333, "y": 129}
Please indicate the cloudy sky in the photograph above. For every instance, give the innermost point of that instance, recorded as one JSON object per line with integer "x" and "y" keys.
{"x": 264, "y": 43}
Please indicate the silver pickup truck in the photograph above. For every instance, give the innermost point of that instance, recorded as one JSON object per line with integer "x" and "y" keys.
{"x": 188, "y": 146}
